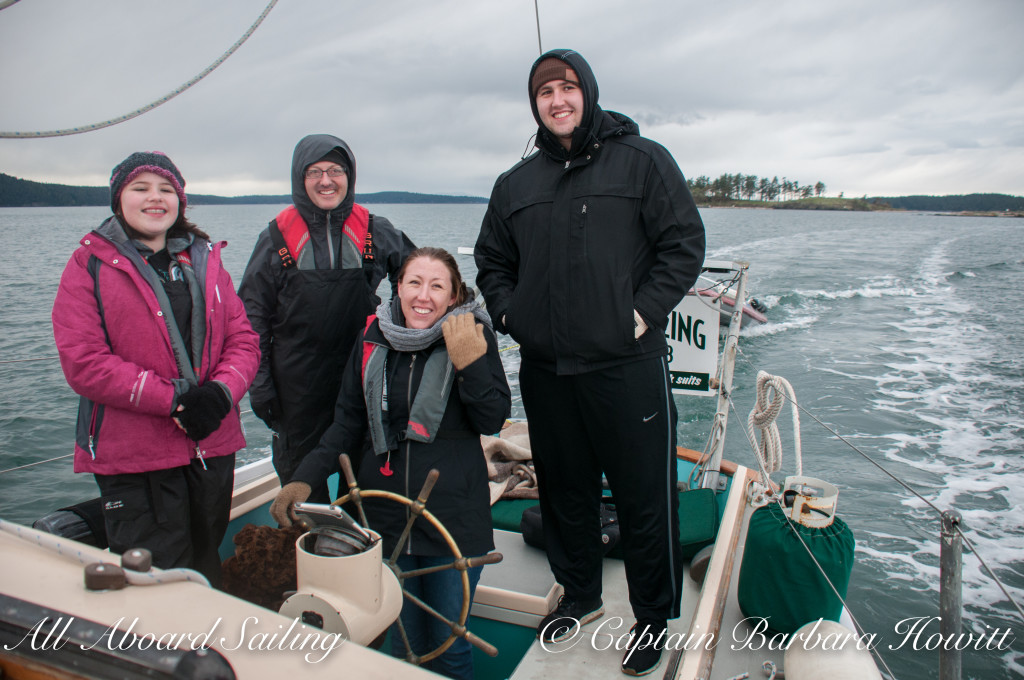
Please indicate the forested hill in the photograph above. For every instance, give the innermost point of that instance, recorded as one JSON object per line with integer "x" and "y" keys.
{"x": 968, "y": 203}
{"x": 17, "y": 193}
{"x": 21, "y": 193}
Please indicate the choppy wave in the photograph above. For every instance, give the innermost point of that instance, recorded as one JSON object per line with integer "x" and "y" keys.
{"x": 937, "y": 377}
{"x": 884, "y": 287}
{"x": 777, "y": 327}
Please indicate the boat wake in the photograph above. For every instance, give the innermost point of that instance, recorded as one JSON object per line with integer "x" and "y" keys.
{"x": 944, "y": 387}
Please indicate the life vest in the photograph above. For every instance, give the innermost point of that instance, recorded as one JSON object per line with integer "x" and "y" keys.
{"x": 293, "y": 236}
{"x": 428, "y": 405}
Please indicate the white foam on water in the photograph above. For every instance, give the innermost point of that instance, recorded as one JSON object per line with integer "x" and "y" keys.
{"x": 774, "y": 328}
{"x": 882, "y": 287}
{"x": 936, "y": 378}
{"x": 742, "y": 251}
{"x": 769, "y": 301}
{"x": 901, "y": 564}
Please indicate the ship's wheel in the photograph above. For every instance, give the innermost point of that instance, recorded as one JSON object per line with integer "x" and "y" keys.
{"x": 417, "y": 509}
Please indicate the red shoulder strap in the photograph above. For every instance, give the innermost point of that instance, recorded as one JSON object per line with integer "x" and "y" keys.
{"x": 356, "y": 225}
{"x": 367, "y": 346}
{"x": 294, "y": 231}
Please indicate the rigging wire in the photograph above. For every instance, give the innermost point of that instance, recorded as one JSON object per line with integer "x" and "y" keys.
{"x": 536, "y": 11}
{"x": 21, "y": 361}
{"x": 152, "y": 105}
{"x": 924, "y": 500}
{"x": 855, "y": 448}
{"x": 991, "y": 573}
{"x": 38, "y": 462}
{"x": 69, "y": 455}
{"x": 774, "y": 498}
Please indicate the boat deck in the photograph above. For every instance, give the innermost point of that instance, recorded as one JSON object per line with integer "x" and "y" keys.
{"x": 739, "y": 653}
{"x": 709, "y": 634}
{"x": 596, "y": 652}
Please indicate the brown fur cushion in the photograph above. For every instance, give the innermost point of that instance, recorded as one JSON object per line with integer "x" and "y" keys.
{"x": 262, "y": 569}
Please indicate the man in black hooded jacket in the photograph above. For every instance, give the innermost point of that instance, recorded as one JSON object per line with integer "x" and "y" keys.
{"x": 584, "y": 250}
{"x": 308, "y": 288}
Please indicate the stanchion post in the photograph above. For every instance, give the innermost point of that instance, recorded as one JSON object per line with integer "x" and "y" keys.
{"x": 950, "y": 594}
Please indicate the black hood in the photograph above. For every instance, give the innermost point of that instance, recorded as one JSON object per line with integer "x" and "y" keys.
{"x": 595, "y": 123}
{"x": 309, "y": 150}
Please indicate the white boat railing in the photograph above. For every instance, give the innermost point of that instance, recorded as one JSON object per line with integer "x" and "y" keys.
{"x": 711, "y": 477}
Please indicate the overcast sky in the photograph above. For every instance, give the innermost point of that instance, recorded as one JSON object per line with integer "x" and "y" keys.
{"x": 874, "y": 97}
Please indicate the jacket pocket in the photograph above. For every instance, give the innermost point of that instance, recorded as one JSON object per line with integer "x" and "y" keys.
{"x": 127, "y": 516}
{"x": 87, "y": 428}
{"x": 511, "y": 316}
{"x": 126, "y": 505}
{"x": 602, "y": 321}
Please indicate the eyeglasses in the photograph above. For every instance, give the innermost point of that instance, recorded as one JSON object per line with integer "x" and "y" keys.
{"x": 317, "y": 173}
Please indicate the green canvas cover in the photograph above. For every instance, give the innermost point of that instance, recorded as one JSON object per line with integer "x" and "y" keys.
{"x": 778, "y": 580}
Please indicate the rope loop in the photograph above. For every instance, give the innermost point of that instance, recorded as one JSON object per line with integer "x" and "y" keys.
{"x": 772, "y": 392}
{"x": 36, "y": 134}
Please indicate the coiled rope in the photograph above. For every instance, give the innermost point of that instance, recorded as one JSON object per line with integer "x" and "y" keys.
{"x": 162, "y": 100}
{"x": 772, "y": 392}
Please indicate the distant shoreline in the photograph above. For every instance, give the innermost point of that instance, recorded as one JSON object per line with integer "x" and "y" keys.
{"x": 20, "y": 193}
{"x": 858, "y": 205}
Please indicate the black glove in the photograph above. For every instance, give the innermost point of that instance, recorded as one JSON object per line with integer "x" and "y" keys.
{"x": 202, "y": 409}
{"x": 267, "y": 411}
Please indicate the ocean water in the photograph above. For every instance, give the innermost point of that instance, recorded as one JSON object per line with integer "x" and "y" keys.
{"x": 902, "y": 332}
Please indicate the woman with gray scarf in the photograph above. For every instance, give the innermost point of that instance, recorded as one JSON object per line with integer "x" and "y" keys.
{"x": 421, "y": 386}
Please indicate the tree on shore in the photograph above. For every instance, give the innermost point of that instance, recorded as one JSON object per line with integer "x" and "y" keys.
{"x": 739, "y": 187}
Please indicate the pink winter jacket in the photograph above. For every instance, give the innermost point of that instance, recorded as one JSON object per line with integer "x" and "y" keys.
{"x": 124, "y": 421}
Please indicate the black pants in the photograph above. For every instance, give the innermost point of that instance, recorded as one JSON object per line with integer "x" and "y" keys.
{"x": 286, "y": 461}
{"x": 180, "y": 514}
{"x": 621, "y": 421}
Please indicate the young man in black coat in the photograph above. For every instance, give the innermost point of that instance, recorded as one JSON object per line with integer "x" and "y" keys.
{"x": 584, "y": 250}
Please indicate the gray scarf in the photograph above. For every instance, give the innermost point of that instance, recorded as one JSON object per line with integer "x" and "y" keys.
{"x": 392, "y": 324}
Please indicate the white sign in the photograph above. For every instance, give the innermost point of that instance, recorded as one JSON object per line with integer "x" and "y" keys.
{"x": 692, "y": 335}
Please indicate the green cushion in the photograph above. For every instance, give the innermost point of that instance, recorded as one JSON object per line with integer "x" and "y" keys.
{"x": 698, "y": 519}
{"x": 507, "y": 514}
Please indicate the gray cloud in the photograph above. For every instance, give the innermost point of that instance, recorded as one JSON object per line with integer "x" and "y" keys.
{"x": 884, "y": 98}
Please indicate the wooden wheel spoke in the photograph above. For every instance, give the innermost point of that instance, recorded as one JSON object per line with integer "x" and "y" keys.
{"x": 432, "y": 570}
{"x": 354, "y": 493}
{"x": 417, "y": 509}
{"x": 409, "y": 656}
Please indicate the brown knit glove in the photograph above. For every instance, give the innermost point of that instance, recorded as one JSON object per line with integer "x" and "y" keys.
{"x": 464, "y": 338}
{"x": 288, "y": 496}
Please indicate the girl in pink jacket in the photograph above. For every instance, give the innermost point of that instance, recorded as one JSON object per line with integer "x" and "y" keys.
{"x": 153, "y": 337}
